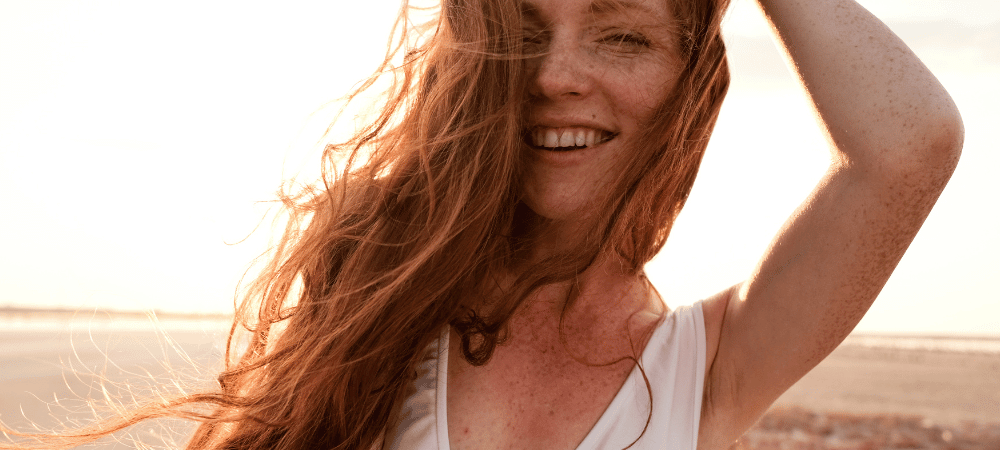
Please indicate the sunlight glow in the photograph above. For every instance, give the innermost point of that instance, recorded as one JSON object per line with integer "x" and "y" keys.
{"x": 136, "y": 140}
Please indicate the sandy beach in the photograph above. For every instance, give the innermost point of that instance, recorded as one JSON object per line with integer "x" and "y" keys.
{"x": 858, "y": 398}
{"x": 47, "y": 372}
{"x": 878, "y": 398}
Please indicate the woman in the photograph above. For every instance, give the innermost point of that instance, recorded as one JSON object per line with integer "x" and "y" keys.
{"x": 473, "y": 278}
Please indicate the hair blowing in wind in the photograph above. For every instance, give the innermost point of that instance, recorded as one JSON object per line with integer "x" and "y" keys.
{"x": 412, "y": 217}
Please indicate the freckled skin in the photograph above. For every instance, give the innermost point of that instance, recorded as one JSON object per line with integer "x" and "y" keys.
{"x": 540, "y": 392}
{"x": 549, "y": 384}
{"x": 585, "y": 72}
{"x": 895, "y": 137}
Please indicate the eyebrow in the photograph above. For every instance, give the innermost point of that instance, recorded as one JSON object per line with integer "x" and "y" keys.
{"x": 605, "y": 7}
{"x": 530, "y": 12}
{"x": 597, "y": 8}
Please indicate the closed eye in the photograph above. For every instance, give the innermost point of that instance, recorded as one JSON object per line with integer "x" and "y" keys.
{"x": 533, "y": 40}
{"x": 628, "y": 42}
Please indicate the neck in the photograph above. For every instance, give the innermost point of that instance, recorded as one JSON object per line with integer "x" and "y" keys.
{"x": 606, "y": 303}
{"x": 603, "y": 289}
{"x": 545, "y": 238}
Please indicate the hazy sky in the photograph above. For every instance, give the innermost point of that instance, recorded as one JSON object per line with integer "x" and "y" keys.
{"x": 135, "y": 139}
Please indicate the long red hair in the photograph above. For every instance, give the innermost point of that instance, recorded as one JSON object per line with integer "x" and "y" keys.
{"x": 410, "y": 218}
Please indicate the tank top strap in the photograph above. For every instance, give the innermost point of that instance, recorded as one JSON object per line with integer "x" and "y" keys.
{"x": 674, "y": 364}
{"x": 421, "y": 422}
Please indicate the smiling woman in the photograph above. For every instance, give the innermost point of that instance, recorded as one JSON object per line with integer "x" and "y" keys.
{"x": 606, "y": 69}
{"x": 471, "y": 273}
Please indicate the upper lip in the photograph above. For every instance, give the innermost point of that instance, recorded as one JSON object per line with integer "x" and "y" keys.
{"x": 567, "y": 122}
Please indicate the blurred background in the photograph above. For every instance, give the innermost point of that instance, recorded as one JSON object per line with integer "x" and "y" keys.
{"x": 140, "y": 140}
{"x": 137, "y": 140}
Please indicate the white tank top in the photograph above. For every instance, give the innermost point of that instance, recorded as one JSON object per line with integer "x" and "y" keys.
{"x": 674, "y": 361}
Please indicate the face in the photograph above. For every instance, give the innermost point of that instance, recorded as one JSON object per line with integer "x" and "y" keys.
{"x": 604, "y": 66}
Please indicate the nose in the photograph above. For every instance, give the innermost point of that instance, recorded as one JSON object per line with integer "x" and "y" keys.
{"x": 561, "y": 72}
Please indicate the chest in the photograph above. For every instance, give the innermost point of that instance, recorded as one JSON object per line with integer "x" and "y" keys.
{"x": 537, "y": 394}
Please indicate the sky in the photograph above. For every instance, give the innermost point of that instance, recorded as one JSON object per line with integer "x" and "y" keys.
{"x": 139, "y": 141}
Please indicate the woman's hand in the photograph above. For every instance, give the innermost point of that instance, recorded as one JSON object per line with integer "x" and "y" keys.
{"x": 895, "y": 137}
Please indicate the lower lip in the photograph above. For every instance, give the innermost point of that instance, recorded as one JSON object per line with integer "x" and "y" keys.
{"x": 567, "y": 157}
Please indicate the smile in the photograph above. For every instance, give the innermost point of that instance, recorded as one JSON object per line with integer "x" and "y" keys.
{"x": 568, "y": 138}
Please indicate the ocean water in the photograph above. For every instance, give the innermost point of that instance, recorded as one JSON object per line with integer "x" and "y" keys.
{"x": 958, "y": 344}
{"x": 97, "y": 323}
{"x": 219, "y": 327}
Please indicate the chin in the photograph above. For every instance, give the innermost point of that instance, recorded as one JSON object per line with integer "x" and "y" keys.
{"x": 548, "y": 211}
{"x": 558, "y": 206}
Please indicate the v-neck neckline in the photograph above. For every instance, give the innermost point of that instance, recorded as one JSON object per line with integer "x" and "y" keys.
{"x": 596, "y": 431}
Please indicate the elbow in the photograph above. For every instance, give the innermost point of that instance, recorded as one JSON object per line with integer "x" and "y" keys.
{"x": 943, "y": 135}
{"x": 926, "y": 138}
{"x": 933, "y": 145}
{"x": 927, "y": 164}
{"x": 945, "y": 139}
{"x": 937, "y": 132}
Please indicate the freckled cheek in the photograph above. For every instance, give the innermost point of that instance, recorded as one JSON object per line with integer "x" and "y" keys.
{"x": 638, "y": 102}
{"x": 644, "y": 91}
{"x": 657, "y": 94}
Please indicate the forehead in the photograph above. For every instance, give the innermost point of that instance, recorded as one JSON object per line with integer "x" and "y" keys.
{"x": 650, "y": 11}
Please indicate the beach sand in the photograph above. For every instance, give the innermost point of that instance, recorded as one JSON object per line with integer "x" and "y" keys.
{"x": 46, "y": 377}
{"x": 878, "y": 398}
{"x": 858, "y": 398}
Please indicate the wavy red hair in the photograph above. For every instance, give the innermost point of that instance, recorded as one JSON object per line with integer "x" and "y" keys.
{"x": 410, "y": 218}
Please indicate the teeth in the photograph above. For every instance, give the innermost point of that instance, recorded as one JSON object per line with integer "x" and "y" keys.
{"x": 551, "y": 138}
{"x": 568, "y": 137}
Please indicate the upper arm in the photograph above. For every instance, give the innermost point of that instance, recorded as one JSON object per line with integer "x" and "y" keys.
{"x": 814, "y": 283}
{"x": 895, "y": 137}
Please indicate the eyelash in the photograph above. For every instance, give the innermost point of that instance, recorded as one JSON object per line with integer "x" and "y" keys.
{"x": 531, "y": 37}
{"x": 625, "y": 41}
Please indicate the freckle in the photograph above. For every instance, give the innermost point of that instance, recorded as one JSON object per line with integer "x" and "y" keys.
{"x": 466, "y": 430}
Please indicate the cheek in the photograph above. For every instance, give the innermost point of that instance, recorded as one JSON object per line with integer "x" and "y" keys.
{"x": 639, "y": 98}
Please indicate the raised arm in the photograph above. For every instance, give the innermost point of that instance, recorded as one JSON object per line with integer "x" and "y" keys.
{"x": 895, "y": 137}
